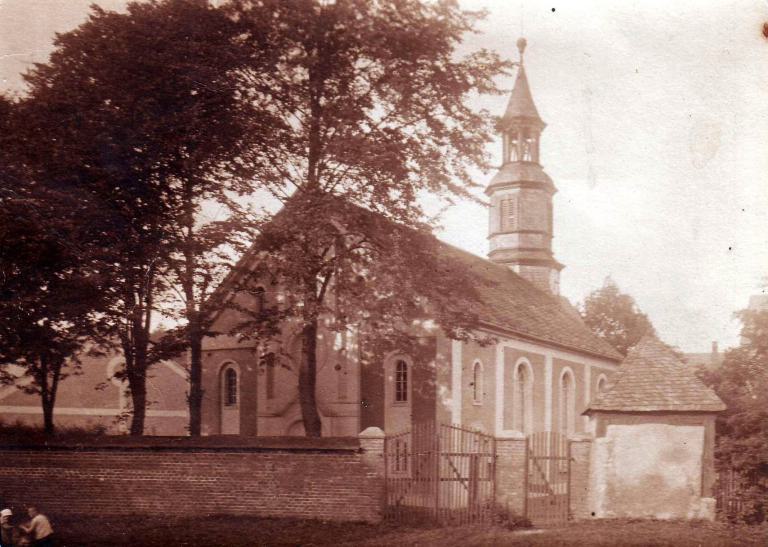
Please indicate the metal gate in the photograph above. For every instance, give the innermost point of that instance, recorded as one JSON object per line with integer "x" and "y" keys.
{"x": 548, "y": 478}
{"x": 440, "y": 472}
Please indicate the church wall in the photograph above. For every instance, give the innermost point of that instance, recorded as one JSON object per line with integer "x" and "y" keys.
{"x": 427, "y": 382}
{"x": 213, "y": 363}
{"x": 512, "y": 356}
{"x": 473, "y": 414}
{"x": 579, "y": 403}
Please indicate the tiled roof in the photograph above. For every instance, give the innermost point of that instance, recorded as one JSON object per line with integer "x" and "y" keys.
{"x": 504, "y": 301}
{"x": 652, "y": 378}
{"x": 508, "y": 302}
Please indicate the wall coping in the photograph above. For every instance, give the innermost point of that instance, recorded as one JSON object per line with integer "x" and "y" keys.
{"x": 214, "y": 443}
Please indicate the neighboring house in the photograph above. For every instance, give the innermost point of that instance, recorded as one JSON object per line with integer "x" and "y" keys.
{"x": 709, "y": 361}
{"x": 539, "y": 376}
{"x": 94, "y": 397}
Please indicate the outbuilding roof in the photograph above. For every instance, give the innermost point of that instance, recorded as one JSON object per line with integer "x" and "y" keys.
{"x": 652, "y": 379}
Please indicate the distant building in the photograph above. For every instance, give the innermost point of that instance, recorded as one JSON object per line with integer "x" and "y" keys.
{"x": 95, "y": 397}
{"x": 710, "y": 360}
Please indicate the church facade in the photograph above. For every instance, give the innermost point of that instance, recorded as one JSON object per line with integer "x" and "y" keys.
{"x": 541, "y": 372}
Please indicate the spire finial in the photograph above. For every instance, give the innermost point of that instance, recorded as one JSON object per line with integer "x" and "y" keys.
{"x": 521, "y": 43}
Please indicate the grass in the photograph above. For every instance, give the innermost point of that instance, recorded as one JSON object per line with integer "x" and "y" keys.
{"x": 250, "y": 531}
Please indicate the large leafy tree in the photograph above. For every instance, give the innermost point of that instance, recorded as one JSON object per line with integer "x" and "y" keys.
{"x": 370, "y": 104}
{"x": 50, "y": 297}
{"x": 614, "y": 317}
{"x": 742, "y": 430}
{"x": 141, "y": 119}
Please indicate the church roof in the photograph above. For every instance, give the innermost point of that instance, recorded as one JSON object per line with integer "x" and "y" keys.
{"x": 511, "y": 304}
{"x": 520, "y": 103}
{"x": 652, "y": 379}
{"x": 503, "y": 301}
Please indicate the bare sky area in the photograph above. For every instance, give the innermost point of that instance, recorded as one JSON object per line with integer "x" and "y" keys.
{"x": 656, "y": 139}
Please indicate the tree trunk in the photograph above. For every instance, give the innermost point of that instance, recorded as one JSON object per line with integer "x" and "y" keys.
{"x": 48, "y": 426}
{"x": 138, "y": 385}
{"x": 195, "y": 380}
{"x": 48, "y": 382}
{"x": 308, "y": 379}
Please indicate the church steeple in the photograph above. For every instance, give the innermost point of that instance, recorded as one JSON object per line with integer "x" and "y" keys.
{"x": 520, "y": 231}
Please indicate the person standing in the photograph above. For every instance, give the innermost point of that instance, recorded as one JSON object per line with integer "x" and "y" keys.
{"x": 39, "y": 528}
{"x": 9, "y": 535}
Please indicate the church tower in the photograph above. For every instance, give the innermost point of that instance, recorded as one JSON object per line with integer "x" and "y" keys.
{"x": 520, "y": 230}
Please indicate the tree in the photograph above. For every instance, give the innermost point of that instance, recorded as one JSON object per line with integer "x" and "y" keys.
{"x": 614, "y": 317}
{"x": 141, "y": 120}
{"x": 50, "y": 298}
{"x": 742, "y": 430}
{"x": 370, "y": 108}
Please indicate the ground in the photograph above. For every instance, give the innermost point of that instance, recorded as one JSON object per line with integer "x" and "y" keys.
{"x": 250, "y": 531}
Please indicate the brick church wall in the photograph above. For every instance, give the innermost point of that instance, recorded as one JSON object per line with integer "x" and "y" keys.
{"x": 334, "y": 479}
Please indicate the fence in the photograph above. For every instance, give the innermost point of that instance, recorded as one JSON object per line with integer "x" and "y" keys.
{"x": 440, "y": 472}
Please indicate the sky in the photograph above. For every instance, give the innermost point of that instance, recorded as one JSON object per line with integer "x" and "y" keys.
{"x": 656, "y": 139}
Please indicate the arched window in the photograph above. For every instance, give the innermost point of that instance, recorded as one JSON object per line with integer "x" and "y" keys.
{"x": 401, "y": 381}
{"x": 522, "y": 416}
{"x": 567, "y": 403}
{"x": 477, "y": 383}
{"x": 230, "y": 387}
{"x": 602, "y": 384}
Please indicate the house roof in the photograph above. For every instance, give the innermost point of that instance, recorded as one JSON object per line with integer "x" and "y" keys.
{"x": 653, "y": 379}
{"x": 509, "y": 303}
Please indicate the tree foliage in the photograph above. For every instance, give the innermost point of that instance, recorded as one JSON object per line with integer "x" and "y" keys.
{"x": 614, "y": 317}
{"x": 140, "y": 118}
{"x": 50, "y": 298}
{"x": 369, "y": 110}
{"x": 742, "y": 430}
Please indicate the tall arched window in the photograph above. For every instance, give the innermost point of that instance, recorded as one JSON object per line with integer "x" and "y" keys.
{"x": 477, "y": 383}
{"x": 602, "y": 384}
{"x": 401, "y": 381}
{"x": 567, "y": 403}
{"x": 230, "y": 387}
{"x": 522, "y": 416}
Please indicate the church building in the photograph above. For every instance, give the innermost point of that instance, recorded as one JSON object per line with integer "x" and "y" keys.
{"x": 540, "y": 374}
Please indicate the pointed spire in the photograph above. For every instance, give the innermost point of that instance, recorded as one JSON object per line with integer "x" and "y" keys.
{"x": 521, "y": 102}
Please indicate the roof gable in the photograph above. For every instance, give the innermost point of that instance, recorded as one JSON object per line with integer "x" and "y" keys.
{"x": 653, "y": 379}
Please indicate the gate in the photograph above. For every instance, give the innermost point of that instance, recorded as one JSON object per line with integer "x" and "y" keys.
{"x": 548, "y": 478}
{"x": 440, "y": 472}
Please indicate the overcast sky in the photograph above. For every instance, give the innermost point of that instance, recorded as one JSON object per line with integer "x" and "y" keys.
{"x": 657, "y": 140}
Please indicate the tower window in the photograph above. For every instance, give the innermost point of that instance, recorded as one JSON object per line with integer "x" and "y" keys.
{"x": 508, "y": 214}
{"x": 401, "y": 381}
{"x": 513, "y": 147}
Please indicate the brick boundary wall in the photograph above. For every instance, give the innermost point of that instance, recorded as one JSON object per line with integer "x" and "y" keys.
{"x": 341, "y": 480}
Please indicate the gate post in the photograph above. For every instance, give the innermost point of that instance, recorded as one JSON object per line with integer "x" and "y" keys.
{"x": 372, "y": 448}
{"x": 580, "y": 447}
{"x": 511, "y": 472}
